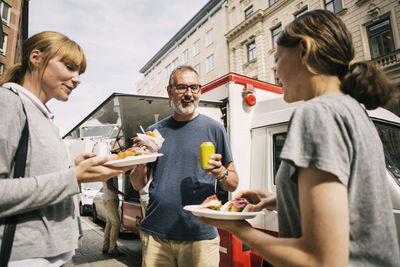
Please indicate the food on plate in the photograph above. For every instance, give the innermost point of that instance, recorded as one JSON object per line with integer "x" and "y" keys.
{"x": 133, "y": 151}
{"x": 153, "y": 140}
{"x": 143, "y": 144}
{"x": 151, "y": 134}
{"x": 211, "y": 202}
{"x": 237, "y": 205}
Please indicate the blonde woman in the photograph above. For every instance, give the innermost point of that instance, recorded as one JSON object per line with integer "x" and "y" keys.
{"x": 47, "y": 226}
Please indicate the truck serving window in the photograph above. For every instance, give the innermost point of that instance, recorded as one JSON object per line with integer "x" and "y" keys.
{"x": 390, "y": 137}
{"x": 279, "y": 140}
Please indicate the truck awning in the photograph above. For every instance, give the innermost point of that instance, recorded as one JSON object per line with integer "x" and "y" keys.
{"x": 121, "y": 115}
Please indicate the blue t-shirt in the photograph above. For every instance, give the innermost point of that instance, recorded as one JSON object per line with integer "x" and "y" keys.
{"x": 178, "y": 179}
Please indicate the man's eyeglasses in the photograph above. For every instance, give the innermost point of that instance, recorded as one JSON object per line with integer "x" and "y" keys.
{"x": 194, "y": 88}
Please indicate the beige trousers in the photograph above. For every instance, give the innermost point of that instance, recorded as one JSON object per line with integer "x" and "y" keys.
{"x": 113, "y": 223}
{"x": 159, "y": 252}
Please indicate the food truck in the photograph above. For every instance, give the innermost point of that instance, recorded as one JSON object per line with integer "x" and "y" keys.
{"x": 256, "y": 119}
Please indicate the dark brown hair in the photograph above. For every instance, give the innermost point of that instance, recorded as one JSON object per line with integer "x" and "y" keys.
{"x": 330, "y": 51}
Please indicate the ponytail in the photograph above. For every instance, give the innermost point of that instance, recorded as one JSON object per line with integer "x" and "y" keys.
{"x": 14, "y": 74}
{"x": 368, "y": 85}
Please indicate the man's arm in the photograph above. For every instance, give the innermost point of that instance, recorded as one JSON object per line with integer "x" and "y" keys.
{"x": 228, "y": 183}
{"x": 231, "y": 182}
{"x": 138, "y": 177}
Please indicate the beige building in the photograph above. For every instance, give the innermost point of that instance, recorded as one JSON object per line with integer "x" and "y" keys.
{"x": 253, "y": 26}
{"x": 245, "y": 32}
{"x": 200, "y": 43}
{"x": 14, "y": 17}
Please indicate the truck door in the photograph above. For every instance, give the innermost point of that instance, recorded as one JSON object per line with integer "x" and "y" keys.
{"x": 266, "y": 145}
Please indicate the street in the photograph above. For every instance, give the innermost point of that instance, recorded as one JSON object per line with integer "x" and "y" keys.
{"x": 89, "y": 253}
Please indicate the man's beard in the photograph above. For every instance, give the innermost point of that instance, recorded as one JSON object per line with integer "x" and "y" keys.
{"x": 178, "y": 107}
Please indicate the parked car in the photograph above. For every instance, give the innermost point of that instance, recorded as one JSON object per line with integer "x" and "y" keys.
{"x": 88, "y": 192}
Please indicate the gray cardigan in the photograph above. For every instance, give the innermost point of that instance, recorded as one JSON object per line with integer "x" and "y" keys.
{"x": 47, "y": 221}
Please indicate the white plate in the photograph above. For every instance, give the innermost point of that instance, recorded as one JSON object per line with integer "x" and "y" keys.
{"x": 133, "y": 160}
{"x": 221, "y": 215}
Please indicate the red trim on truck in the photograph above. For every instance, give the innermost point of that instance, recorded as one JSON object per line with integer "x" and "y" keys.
{"x": 237, "y": 78}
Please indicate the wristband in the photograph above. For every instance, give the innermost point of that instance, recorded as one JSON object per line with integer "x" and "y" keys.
{"x": 226, "y": 173}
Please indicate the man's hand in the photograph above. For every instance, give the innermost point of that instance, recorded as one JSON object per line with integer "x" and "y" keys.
{"x": 219, "y": 170}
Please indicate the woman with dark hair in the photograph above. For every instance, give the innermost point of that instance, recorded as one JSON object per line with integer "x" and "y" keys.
{"x": 334, "y": 208}
{"x": 42, "y": 199}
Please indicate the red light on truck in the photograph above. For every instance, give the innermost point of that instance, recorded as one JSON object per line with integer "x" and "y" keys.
{"x": 250, "y": 99}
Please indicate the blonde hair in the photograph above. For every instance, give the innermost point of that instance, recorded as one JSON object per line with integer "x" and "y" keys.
{"x": 50, "y": 44}
{"x": 330, "y": 50}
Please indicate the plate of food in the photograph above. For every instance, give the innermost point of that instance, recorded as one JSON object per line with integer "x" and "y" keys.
{"x": 134, "y": 160}
{"x": 139, "y": 153}
{"x": 231, "y": 210}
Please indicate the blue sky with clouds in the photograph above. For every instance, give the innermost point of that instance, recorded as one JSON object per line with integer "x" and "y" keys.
{"x": 118, "y": 38}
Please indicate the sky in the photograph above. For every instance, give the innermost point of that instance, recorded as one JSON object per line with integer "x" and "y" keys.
{"x": 119, "y": 37}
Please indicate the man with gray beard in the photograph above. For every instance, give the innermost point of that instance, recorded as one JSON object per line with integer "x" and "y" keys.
{"x": 172, "y": 236}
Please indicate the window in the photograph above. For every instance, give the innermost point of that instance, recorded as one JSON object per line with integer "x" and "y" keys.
{"x": 275, "y": 33}
{"x": 152, "y": 83}
{"x": 210, "y": 63}
{"x": 271, "y": 2}
{"x": 381, "y": 38}
{"x": 175, "y": 63}
{"x": 1, "y": 68}
{"x": 251, "y": 51}
{"x": 196, "y": 48}
{"x": 266, "y": 146}
{"x": 159, "y": 77}
{"x": 168, "y": 70}
{"x": 5, "y": 10}
{"x": 185, "y": 56}
{"x": 334, "y": 6}
{"x": 248, "y": 12}
{"x": 301, "y": 13}
{"x": 276, "y": 79}
{"x": 210, "y": 37}
{"x": 197, "y": 68}
{"x": 3, "y": 48}
{"x": 278, "y": 142}
{"x": 390, "y": 137}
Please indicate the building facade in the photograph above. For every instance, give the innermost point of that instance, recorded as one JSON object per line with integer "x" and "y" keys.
{"x": 252, "y": 26}
{"x": 374, "y": 24}
{"x": 14, "y": 18}
{"x": 200, "y": 43}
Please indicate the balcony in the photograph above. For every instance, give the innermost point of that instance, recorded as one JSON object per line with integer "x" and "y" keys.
{"x": 388, "y": 62}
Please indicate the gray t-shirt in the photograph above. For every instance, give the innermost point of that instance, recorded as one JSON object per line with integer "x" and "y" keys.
{"x": 333, "y": 133}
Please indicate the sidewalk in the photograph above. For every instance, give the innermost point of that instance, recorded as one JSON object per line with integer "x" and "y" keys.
{"x": 90, "y": 253}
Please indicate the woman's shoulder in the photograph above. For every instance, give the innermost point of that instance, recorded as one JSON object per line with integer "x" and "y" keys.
{"x": 10, "y": 101}
{"x": 328, "y": 104}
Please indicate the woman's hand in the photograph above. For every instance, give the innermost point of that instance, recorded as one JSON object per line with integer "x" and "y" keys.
{"x": 232, "y": 226}
{"x": 259, "y": 199}
{"x": 83, "y": 156}
{"x": 91, "y": 169}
